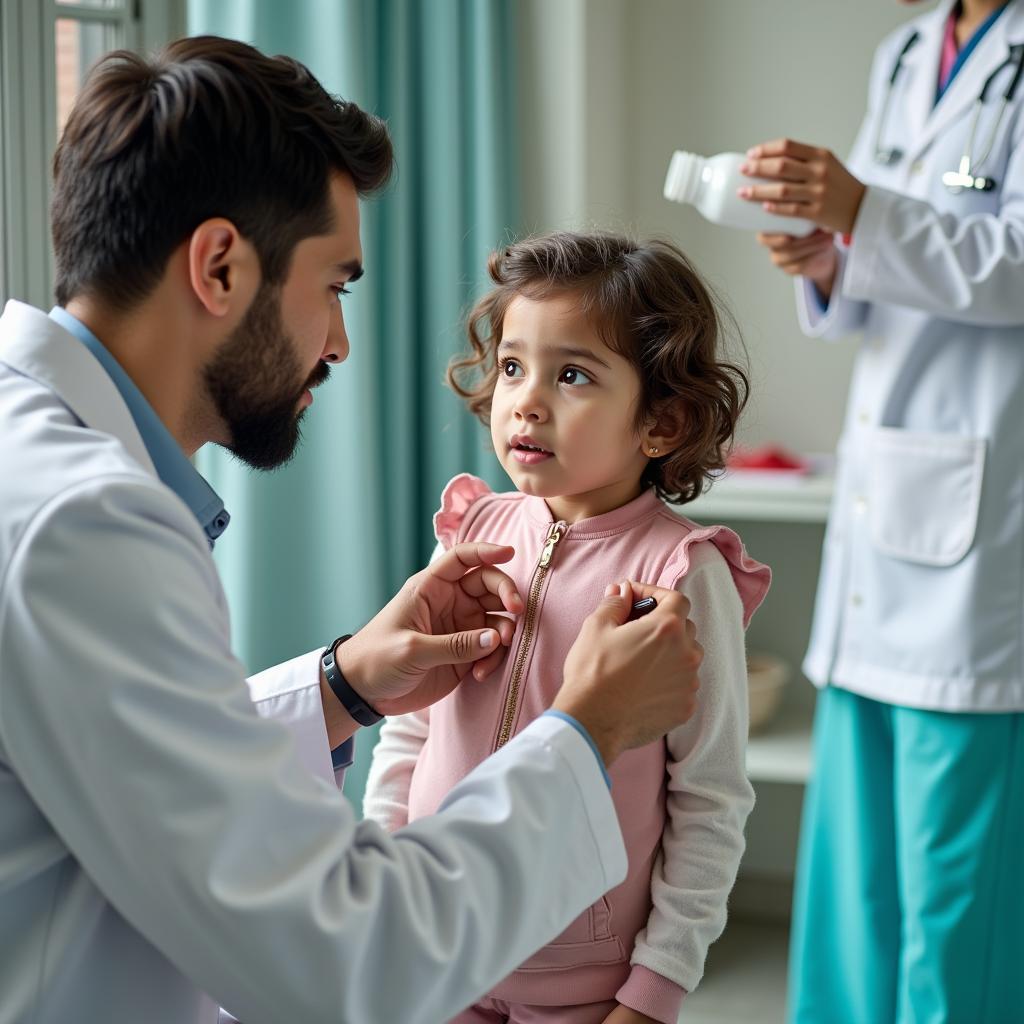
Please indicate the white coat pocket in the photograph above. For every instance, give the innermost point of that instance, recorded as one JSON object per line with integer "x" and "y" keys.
{"x": 923, "y": 494}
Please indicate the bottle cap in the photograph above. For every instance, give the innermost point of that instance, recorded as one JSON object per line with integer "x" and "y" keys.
{"x": 683, "y": 179}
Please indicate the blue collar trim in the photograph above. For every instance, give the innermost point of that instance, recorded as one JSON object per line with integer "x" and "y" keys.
{"x": 169, "y": 461}
{"x": 969, "y": 48}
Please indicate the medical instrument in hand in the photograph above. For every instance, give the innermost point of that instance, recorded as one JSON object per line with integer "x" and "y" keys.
{"x": 641, "y": 608}
{"x": 892, "y": 154}
{"x": 963, "y": 178}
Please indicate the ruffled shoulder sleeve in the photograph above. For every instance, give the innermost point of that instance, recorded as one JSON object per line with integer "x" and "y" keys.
{"x": 751, "y": 578}
{"x": 457, "y": 498}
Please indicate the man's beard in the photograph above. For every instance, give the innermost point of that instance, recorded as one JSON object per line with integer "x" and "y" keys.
{"x": 251, "y": 381}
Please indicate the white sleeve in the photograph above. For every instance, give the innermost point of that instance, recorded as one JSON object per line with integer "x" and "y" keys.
{"x": 202, "y": 825}
{"x": 962, "y": 268}
{"x": 394, "y": 757}
{"x": 709, "y": 795}
{"x": 290, "y": 694}
{"x": 837, "y": 318}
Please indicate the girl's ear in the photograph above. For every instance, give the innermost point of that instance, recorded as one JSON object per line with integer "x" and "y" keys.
{"x": 665, "y": 432}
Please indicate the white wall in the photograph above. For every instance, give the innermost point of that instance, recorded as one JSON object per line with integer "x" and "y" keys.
{"x": 610, "y": 87}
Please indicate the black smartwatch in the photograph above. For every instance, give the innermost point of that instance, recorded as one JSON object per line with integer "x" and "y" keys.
{"x": 350, "y": 700}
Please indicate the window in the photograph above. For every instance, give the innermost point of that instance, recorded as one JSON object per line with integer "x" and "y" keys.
{"x": 46, "y": 50}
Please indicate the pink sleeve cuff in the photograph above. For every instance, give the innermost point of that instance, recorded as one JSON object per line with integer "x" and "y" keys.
{"x": 652, "y": 994}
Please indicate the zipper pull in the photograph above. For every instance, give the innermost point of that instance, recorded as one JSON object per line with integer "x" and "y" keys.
{"x": 555, "y": 534}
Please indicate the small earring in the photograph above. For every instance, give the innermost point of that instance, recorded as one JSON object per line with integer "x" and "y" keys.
{"x": 654, "y": 451}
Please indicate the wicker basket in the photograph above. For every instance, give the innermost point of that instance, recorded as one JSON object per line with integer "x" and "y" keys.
{"x": 766, "y": 681}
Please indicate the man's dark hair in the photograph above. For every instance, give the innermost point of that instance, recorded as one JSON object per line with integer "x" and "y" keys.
{"x": 207, "y": 128}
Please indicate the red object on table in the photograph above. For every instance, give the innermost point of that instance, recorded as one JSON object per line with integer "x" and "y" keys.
{"x": 768, "y": 457}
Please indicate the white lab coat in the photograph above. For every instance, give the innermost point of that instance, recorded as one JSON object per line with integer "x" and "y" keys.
{"x": 920, "y": 601}
{"x": 164, "y": 848}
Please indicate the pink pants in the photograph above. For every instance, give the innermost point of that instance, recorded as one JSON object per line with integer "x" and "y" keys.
{"x": 497, "y": 1011}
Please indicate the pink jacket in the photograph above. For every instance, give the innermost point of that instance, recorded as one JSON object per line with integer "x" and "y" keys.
{"x": 562, "y": 572}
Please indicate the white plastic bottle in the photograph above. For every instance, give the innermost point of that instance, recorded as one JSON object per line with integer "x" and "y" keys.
{"x": 710, "y": 184}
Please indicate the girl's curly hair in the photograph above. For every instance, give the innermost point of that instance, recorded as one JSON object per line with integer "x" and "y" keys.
{"x": 649, "y": 304}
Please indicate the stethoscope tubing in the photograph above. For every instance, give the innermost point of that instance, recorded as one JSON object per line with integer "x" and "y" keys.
{"x": 954, "y": 180}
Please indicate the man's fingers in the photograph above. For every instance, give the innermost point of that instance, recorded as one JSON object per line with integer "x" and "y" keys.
{"x": 489, "y": 580}
{"x": 506, "y": 630}
{"x": 483, "y": 668}
{"x": 456, "y": 562}
{"x": 666, "y": 598}
{"x": 614, "y": 606}
{"x": 505, "y": 626}
{"x": 620, "y": 597}
{"x": 456, "y": 648}
{"x": 491, "y": 603}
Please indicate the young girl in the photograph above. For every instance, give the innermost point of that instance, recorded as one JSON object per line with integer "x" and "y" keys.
{"x": 595, "y": 362}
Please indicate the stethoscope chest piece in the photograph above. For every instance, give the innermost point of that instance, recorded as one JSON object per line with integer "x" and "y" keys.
{"x": 962, "y": 179}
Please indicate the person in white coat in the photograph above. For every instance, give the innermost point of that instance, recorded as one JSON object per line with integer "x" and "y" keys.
{"x": 167, "y": 845}
{"x": 907, "y": 904}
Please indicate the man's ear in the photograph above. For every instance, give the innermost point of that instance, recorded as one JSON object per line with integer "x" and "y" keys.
{"x": 223, "y": 267}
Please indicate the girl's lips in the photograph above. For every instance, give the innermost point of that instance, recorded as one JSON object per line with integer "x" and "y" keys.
{"x": 528, "y": 458}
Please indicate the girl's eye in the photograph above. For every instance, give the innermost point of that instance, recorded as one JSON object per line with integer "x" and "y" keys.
{"x": 509, "y": 368}
{"x": 572, "y": 375}
{"x": 339, "y": 290}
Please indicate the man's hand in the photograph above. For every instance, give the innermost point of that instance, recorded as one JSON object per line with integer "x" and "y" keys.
{"x": 806, "y": 181}
{"x": 440, "y": 625}
{"x": 624, "y": 1015}
{"x": 629, "y": 683}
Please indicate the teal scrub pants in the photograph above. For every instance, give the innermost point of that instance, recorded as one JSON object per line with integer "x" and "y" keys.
{"x": 909, "y": 900}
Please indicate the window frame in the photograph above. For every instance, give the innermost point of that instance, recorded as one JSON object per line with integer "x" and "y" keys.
{"x": 28, "y": 123}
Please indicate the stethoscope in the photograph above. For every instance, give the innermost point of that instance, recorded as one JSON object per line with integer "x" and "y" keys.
{"x": 962, "y": 178}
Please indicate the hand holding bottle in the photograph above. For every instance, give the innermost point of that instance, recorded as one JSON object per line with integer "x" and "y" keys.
{"x": 804, "y": 181}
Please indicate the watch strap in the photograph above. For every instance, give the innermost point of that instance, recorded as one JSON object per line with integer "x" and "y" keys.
{"x": 359, "y": 709}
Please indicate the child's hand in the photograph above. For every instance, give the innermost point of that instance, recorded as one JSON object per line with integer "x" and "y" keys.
{"x": 624, "y": 1015}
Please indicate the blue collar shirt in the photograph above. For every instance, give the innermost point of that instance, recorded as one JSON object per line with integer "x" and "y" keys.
{"x": 170, "y": 462}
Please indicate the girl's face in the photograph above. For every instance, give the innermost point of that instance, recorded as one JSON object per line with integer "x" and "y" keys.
{"x": 562, "y": 416}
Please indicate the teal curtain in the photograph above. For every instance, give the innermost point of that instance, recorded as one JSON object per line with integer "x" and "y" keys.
{"x": 316, "y": 548}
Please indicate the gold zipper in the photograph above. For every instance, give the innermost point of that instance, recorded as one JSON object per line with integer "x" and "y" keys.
{"x": 555, "y": 534}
